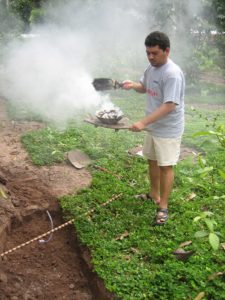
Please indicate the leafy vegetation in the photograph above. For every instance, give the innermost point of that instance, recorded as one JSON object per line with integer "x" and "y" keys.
{"x": 210, "y": 224}
{"x": 134, "y": 258}
{"x": 27, "y": 10}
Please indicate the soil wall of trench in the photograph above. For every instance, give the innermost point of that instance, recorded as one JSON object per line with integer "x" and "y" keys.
{"x": 56, "y": 269}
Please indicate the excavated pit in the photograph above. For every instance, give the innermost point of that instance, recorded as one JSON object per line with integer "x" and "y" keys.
{"x": 57, "y": 269}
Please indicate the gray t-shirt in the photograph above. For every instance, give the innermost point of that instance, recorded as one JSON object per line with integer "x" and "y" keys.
{"x": 165, "y": 84}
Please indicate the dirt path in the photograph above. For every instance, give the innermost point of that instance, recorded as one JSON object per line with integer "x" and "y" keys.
{"x": 53, "y": 270}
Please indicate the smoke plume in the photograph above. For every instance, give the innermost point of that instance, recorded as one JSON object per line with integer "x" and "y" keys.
{"x": 51, "y": 70}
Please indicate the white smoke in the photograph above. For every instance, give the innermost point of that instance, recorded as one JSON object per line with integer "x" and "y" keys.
{"x": 48, "y": 74}
{"x": 52, "y": 71}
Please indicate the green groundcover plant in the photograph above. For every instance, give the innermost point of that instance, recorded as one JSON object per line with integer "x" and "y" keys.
{"x": 134, "y": 258}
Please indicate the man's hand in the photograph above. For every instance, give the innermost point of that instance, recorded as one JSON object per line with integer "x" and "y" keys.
{"x": 136, "y": 127}
{"x": 127, "y": 84}
{"x": 137, "y": 86}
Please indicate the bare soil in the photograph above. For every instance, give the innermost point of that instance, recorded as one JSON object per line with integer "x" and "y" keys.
{"x": 60, "y": 268}
{"x": 212, "y": 77}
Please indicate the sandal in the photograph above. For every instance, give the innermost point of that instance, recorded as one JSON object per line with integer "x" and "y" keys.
{"x": 146, "y": 196}
{"x": 162, "y": 216}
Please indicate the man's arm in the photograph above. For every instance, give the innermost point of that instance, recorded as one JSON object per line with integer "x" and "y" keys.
{"x": 160, "y": 112}
{"x": 137, "y": 86}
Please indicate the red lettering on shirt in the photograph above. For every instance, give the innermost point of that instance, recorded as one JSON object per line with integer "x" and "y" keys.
{"x": 152, "y": 93}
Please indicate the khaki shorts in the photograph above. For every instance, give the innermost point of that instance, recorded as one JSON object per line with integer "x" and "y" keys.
{"x": 165, "y": 151}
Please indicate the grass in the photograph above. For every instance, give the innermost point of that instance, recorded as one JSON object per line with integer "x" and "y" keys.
{"x": 134, "y": 258}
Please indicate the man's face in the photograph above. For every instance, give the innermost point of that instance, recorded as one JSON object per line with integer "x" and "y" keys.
{"x": 156, "y": 56}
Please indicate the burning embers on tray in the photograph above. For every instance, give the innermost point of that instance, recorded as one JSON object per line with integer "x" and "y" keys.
{"x": 109, "y": 116}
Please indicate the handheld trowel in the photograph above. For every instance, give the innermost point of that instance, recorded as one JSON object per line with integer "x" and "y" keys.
{"x": 103, "y": 84}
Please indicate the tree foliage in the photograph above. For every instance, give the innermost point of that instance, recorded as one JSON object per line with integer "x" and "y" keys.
{"x": 219, "y": 13}
{"x": 196, "y": 29}
{"x": 23, "y": 8}
{"x": 188, "y": 23}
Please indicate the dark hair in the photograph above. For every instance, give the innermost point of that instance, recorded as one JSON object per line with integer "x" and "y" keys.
{"x": 157, "y": 38}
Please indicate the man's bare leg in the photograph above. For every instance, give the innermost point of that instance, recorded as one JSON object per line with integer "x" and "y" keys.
{"x": 166, "y": 184}
{"x": 154, "y": 174}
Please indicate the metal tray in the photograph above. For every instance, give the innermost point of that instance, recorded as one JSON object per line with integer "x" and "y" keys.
{"x": 121, "y": 124}
{"x": 109, "y": 121}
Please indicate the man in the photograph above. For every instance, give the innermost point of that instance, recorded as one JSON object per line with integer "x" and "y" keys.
{"x": 163, "y": 82}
